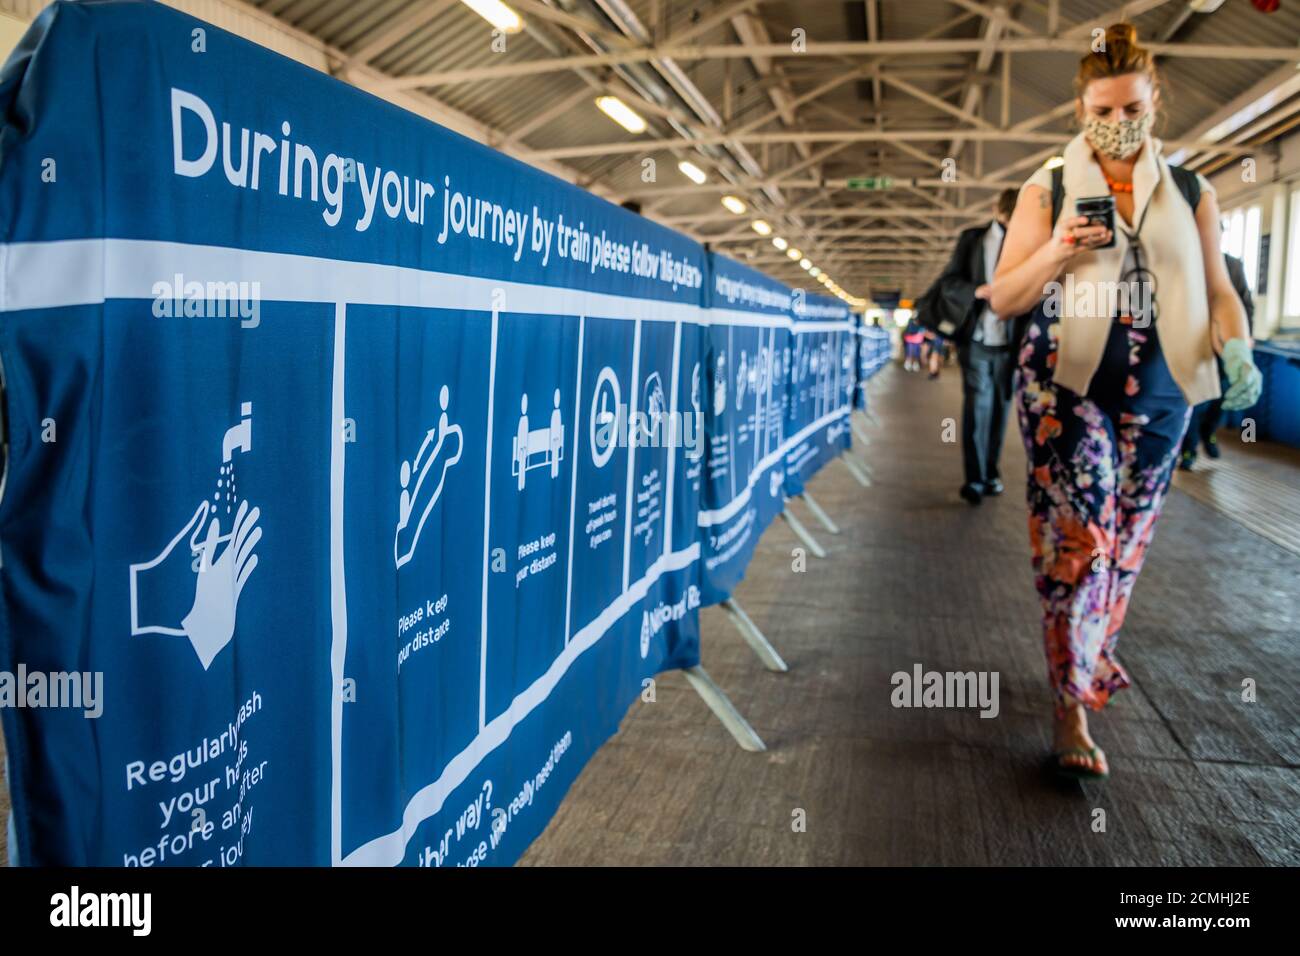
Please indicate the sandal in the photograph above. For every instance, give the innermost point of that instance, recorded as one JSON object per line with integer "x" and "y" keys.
{"x": 1088, "y": 771}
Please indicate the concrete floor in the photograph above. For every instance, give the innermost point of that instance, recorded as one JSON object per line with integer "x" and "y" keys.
{"x": 917, "y": 576}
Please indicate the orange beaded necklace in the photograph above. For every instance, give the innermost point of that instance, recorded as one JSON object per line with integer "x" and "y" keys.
{"x": 1118, "y": 187}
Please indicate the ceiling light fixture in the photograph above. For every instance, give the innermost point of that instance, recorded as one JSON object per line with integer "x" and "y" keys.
{"x": 496, "y": 13}
{"x": 621, "y": 113}
{"x": 692, "y": 172}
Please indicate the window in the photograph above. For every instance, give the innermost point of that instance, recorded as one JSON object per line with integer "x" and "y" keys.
{"x": 1250, "y": 254}
{"x": 1291, "y": 302}
{"x": 1241, "y": 239}
{"x": 1233, "y": 229}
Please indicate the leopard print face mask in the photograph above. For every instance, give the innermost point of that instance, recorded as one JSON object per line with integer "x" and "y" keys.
{"x": 1118, "y": 139}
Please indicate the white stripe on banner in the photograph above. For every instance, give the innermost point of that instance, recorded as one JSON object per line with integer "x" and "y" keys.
{"x": 487, "y": 521}
{"x": 727, "y": 511}
{"x": 338, "y": 591}
{"x": 389, "y": 850}
{"x": 800, "y": 328}
{"x": 760, "y": 320}
{"x": 46, "y": 275}
{"x": 70, "y": 272}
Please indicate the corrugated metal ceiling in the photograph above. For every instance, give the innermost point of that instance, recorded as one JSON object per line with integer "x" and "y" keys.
{"x": 445, "y": 35}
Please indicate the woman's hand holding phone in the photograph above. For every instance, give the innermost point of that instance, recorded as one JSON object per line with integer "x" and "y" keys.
{"x": 1076, "y": 234}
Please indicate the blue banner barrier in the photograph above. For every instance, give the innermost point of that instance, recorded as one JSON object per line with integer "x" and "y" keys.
{"x": 359, "y": 474}
{"x": 822, "y": 383}
{"x": 749, "y": 353}
{"x": 874, "y": 350}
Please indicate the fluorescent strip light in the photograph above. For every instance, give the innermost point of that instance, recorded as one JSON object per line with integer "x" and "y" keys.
{"x": 692, "y": 172}
{"x": 496, "y": 13}
{"x": 805, "y": 264}
{"x": 619, "y": 112}
{"x": 794, "y": 254}
{"x": 815, "y": 272}
{"x": 734, "y": 204}
{"x": 780, "y": 243}
{"x": 761, "y": 227}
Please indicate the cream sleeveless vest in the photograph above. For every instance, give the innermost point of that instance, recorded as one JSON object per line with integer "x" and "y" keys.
{"x": 1171, "y": 247}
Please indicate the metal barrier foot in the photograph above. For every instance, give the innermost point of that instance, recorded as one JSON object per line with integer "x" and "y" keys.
{"x": 856, "y": 469}
{"x": 754, "y": 637}
{"x": 724, "y": 710}
{"x": 820, "y": 513}
{"x": 802, "y": 533}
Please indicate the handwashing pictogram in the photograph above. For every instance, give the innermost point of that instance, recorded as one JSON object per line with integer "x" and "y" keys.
{"x": 217, "y": 579}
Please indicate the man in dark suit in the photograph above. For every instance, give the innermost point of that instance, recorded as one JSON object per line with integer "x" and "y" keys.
{"x": 986, "y": 350}
{"x": 1208, "y": 416}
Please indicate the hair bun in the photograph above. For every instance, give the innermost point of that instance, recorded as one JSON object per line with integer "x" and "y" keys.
{"x": 1124, "y": 34}
{"x": 1119, "y": 54}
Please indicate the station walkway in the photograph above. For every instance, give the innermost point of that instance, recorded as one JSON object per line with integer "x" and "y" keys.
{"x": 918, "y": 576}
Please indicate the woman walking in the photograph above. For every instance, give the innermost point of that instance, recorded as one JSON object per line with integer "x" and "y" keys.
{"x": 1120, "y": 342}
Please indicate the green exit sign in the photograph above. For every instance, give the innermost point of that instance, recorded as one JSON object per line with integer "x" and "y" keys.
{"x": 868, "y": 183}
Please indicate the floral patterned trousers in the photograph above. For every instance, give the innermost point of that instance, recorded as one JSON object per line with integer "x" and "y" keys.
{"x": 1099, "y": 468}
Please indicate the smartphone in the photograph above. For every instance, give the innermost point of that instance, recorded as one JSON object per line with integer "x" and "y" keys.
{"x": 1100, "y": 211}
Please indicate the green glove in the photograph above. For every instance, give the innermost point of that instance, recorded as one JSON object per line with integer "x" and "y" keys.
{"x": 1245, "y": 381}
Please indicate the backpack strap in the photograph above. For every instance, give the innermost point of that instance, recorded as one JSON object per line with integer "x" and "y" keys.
{"x": 1187, "y": 181}
{"x": 1058, "y": 192}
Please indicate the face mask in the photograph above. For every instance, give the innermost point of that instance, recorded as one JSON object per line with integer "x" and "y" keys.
{"x": 1118, "y": 139}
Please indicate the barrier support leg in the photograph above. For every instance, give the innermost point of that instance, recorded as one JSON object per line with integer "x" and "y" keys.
{"x": 802, "y": 534}
{"x": 820, "y": 513}
{"x": 724, "y": 710}
{"x": 853, "y": 465}
{"x": 754, "y": 637}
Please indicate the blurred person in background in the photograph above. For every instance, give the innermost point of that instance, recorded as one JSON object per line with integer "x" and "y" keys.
{"x": 1208, "y": 416}
{"x": 985, "y": 351}
{"x": 936, "y": 353}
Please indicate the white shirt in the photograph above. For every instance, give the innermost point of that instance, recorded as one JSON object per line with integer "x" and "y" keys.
{"x": 990, "y": 330}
